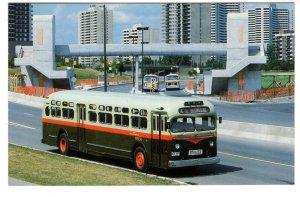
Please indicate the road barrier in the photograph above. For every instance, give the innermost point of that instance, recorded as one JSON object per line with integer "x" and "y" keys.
{"x": 111, "y": 80}
{"x": 36, "y": 91}
{"x": 247, "y": 96}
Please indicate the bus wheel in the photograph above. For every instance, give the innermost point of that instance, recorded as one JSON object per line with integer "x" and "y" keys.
{"x": 63, "y": 144}
{"x": 140, "y": 160}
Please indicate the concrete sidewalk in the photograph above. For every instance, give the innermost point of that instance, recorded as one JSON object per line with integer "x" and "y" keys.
{"x": 253, "y": 131}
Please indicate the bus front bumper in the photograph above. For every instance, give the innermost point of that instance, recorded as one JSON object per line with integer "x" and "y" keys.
{"x": 193, "y": 162}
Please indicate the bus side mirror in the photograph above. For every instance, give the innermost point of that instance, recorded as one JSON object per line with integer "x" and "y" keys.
{"x": 220, "y": 120}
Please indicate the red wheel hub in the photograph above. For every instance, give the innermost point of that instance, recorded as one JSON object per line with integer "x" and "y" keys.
{"x": 140, "y": 160}
{"x": 63, "y": 144}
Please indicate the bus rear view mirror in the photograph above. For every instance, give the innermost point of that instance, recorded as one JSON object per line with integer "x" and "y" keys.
{"x": 220, "y": 120}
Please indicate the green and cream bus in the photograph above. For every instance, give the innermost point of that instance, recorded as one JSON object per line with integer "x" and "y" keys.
{"x": 149, "y": 130}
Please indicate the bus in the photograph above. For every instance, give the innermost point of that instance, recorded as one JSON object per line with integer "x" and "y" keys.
{"x": 149, "y": 81}
{"x": 172, "y": 81}
{"x": 148, "y": 130}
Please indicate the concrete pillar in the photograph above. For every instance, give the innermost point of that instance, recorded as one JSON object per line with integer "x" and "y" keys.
{"x": 237, "y": 38}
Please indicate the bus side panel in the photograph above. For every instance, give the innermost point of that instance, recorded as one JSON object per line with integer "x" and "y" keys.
{"x": 51, "y": 134}
{"x": 106, "y": 143}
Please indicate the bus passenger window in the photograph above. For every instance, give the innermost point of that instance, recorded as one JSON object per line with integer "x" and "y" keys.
{"x": 125, "y": 110}
{"x": 108, "y": 118}
{"x": 92, "y": 106}
{"x": 53, "y": 112}
{"x": 101, "y": 107}
{"x": 71, "y": 114}
{"x": 101, "y": 117}
{"x": 65, "y": 112}
{"x": 143, "y": 123}
{"x": 47, "y": 111}
{"x": 58, "y": 112}
{"x": 135, "y": 121}
{"x": 108, "y": 108}
{"x": 118, "y": 119}
{"x": 92, "y": 116}
{"x": 125, "y": 121}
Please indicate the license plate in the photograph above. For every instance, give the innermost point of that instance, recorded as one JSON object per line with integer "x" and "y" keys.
{"x": 196, "y": 152}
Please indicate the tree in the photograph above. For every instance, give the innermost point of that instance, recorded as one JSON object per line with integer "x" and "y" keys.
{"x": 120, "y": 67}
{"x": 11, "y": 63}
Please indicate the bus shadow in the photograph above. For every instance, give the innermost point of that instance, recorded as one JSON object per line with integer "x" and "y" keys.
{"x": 205, "y": 170}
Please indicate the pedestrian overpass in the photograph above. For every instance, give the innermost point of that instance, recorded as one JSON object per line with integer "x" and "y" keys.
{"x": 242, "y": 70}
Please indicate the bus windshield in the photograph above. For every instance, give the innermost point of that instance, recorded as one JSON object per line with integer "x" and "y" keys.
{"x": 148, "y": 78}
{"x": 191, "y": 124}
{"x": 172, "y": 77}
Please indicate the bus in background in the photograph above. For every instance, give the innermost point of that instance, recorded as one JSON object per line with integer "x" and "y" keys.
{"x": 148, "y": 130}
{"x": 151, "y": 80}
{"x": 172, "y": 81}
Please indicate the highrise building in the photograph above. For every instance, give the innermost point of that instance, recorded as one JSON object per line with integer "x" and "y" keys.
{"x": 284, "y": 42}
{"x": 265, "y": 22}
{"x": 218, "y": 21}
{"x": 19, "y": 25}
{"x": 91, "y": 29}
{"x": 196, "y": 23}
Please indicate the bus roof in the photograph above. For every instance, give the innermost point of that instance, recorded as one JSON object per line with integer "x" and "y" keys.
{"x": 140, "y": 101}
{"x": 150, "y": 75}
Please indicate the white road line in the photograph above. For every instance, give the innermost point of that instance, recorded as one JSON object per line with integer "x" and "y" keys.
{"x": 28, "y": 114}
{"x": 20, "y": 125}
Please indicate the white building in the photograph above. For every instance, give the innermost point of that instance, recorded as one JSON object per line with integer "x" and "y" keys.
{"x": 91, "y": 29}
{"x": 264, "y": 22}
{"x": 134, "y": 36}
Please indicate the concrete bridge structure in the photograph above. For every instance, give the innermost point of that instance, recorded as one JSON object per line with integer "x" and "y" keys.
{"x": 241, "y": 73}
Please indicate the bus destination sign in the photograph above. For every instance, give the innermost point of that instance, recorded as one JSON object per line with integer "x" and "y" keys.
{"x": 193, "y": 110}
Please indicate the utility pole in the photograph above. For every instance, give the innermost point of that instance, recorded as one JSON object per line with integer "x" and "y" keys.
{"x": 142, "y": 28}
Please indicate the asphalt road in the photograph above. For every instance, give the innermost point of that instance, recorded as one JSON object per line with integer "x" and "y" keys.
{"x": 261, "y": 113}
{"x": 243, "y": 162}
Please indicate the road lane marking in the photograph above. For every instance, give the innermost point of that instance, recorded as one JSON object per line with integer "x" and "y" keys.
{"x": 261, "y": 160}
{"x": 28, "y": 114}
{"x": 20, "y": 125}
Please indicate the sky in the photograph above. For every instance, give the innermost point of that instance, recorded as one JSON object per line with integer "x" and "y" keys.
{"x": 125, "y": 16}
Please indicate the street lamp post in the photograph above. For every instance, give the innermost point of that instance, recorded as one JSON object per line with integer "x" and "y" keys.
{"x": 142, "y": 28}
{"x": 104, "y": 43}
{"x": 133, "y": 70}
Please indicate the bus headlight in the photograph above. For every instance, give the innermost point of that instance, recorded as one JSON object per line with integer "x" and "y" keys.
{"x": 177, "y": 146}
{"x": 211, "y": 143}
{"x": 175, "y": 154}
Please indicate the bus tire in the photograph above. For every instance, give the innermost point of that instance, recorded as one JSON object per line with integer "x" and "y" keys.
{"x": 63, "y": 144}
{"x": 140, "y": 160}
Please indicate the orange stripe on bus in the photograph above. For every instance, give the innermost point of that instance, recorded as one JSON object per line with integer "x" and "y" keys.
{"x": 107, "y": 129}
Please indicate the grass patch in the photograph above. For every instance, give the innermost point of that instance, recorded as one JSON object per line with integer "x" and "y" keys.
{"x": 267, "y": 81}
{"x": 49, "y": 169}
{"x": 14, "y": 71}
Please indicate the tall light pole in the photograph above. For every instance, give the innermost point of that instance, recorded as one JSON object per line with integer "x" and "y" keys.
{"x": 104, "y": 43}
{"x": 142, "y": 28}
{"x": 132, "y": 37}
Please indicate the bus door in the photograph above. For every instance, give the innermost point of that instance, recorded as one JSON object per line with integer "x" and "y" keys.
{"x": 158, "y": 127}
{"x": 81, "y": 133}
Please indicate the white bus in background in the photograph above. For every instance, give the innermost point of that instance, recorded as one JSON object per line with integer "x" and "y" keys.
{"x": 149, "y": 81}
{"x": 172, "y": 81}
